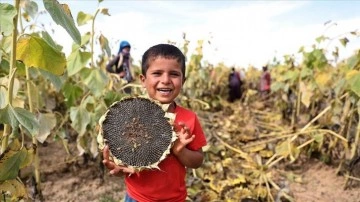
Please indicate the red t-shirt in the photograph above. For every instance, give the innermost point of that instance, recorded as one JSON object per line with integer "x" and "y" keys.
{"x": 168, "y": 183}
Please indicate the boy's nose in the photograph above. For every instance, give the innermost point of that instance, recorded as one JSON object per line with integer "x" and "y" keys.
{"x": 165, "y": 78}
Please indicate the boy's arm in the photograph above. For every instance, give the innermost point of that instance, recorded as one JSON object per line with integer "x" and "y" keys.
{"x": 189, "y": 158}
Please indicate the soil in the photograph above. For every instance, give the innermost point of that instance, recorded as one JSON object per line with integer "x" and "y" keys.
{"x": 71, "y": 179}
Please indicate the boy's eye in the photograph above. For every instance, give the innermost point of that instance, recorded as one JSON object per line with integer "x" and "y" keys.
{"x": 175, "y": 73}
{"x": 156, "y": 73}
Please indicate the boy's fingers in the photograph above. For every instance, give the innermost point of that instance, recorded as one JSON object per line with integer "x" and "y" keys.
{"x": 106, "y": 152}
{"x": 128, "y": 170}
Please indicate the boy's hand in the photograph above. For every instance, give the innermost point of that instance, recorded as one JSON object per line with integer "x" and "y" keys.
{"x": 115, "y": 170}
{"x": 184, "y": 138}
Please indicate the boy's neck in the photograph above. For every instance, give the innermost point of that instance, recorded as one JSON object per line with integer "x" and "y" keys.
{"x": 172, "y": 107}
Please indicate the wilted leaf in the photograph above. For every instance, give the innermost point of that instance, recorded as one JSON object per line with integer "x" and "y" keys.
{"x": 10, "y": 163}
{"x": 256, "y": 148}
{"x": 323, "y": 79}
{"x": 15, "y": 187}
{"x": 105, "y": 11}
{"x": 104, "y": 43}
{"x": 94, "y": 147}
{"x": 286, "y": 148}
{"x": 62, "y": 16}
{"x": 344, "y": 41}
{"x": 35, "y": 52}
{"x": 35, "y": 95}
{"x": 77, "y": 61}
{"x": 306, "y": 94}
{"x": 81, "y": 144}
{"x": 8, "y": 12}
{"x": 319, "y": 138}
{"x": 266, "y": 153}
{"x": 47, "y": 122}
{"x": 83, "y": 18}
{"x": 30, "y": 7}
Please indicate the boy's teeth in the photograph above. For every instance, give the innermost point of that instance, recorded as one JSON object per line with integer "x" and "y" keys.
{"x": 164, "y": 90}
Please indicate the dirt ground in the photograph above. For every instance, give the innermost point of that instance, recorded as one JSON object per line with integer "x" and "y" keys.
{"x": 73, "y": 179}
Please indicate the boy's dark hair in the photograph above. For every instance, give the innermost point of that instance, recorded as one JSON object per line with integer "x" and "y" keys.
{"x": 162, "y": 50}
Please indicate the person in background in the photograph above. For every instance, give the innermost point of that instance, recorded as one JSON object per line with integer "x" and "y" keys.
{"x": 121, "y": 64}
{"x": 265, "y": 82}
{"x": 234, "y": 85}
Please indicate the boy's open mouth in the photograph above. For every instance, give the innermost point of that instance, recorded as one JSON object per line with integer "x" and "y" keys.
{"x": 164, "y": 90}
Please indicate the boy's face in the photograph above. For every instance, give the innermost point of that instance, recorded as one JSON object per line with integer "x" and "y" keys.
{"x": 163, "y": 80}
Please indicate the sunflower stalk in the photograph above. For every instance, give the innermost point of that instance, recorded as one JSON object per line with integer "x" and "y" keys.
{"x": 357, "y": 137}
{"x": 34, "y": 140}
{"x": 12, "y": 70}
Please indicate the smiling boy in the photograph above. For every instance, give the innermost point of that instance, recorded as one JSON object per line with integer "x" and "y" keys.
{"x": 163, "y": 75}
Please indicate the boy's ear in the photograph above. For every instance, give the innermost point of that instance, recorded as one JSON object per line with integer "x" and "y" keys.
{"x": 184, "y": 80}
{"x": 142, "y": 79}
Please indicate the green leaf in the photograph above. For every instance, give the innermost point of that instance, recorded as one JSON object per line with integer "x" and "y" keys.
{"x": 16, "y": 116}
{"x": 292, "y": 76}
{"x": 77, "y": 61}
{"x": 35, "y": 52}
{"x": 85, "y": 39}
{"x": 111, "y": 96}
{"x": 83, "y": 18}
{"x": 46, "y": 36}
{"x": 27, "y": 120}
{"x": 353, "y": 61}
{"x": 353, "y": 80}
{"x": 8, "y": 12}
{"x": 305, "y": 72}
{"x": 47, "y": 122}
{"x": 275, "y": 86}
{"x": 10, "y": 163}
{"x": 320, "y": 39}
{"x": 7, "y": 116}
{"x": 62, "y": 16}
{"x": 57, "y": 81}
{"x": 3, "y": 96}
{"x": 72, "y": 93}
{"x": 95, "y": 79}
{"x": 80, "y": 118}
